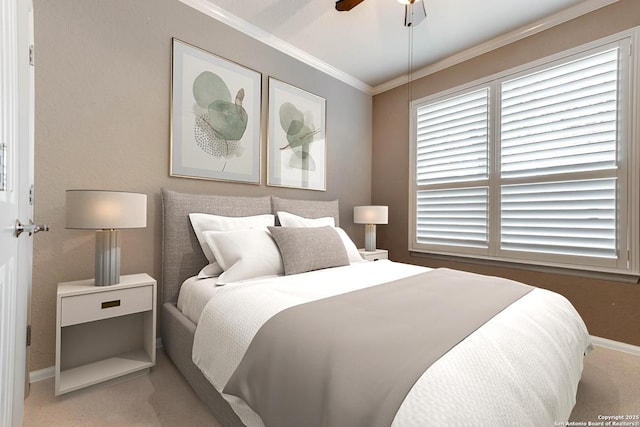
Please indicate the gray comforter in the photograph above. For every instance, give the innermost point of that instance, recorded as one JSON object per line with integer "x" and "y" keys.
{"x": 350, "y": 360}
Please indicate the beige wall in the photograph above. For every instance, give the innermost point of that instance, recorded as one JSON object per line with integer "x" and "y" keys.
{"x": 102, "y": 121}
{"x": 610, "y": 309}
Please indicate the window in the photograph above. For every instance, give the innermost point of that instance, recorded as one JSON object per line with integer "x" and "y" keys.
{"x": 531, "y": 166}
{"x": 452, "y": 171}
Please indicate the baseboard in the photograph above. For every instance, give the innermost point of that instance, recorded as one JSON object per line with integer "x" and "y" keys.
{"x": 42, "y": 374}
{"x": 616, "y": 345}
{"x": 50, "y": 372}
{"x": 46, "y": 373}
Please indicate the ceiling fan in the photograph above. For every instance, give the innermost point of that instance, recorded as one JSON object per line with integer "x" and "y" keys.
{"x": 414, "y": 11}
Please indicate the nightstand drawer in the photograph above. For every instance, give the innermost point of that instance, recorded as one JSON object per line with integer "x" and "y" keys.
{"x": 103, "y": 305}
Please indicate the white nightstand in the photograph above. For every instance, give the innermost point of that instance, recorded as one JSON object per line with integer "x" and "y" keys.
{"x": 104, "y": 332}
{"x": 374, "y": 255}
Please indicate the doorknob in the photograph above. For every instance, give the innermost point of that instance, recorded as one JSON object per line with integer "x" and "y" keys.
{"x": 31, "y": 228}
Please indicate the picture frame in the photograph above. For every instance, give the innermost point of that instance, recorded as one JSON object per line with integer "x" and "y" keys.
{"x": 296, "y": 141}
{"x": 215, "y": 117}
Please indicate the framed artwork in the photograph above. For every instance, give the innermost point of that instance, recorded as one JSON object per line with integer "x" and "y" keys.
{"x": 215, "y": 117}
{"x": 296, "y": 145}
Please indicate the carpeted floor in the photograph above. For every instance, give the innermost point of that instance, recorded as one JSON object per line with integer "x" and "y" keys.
{"x": 162, "y": 398}
{"x": 610, "y": 385}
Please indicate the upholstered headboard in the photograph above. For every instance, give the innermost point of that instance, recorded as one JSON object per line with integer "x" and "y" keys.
{"x": 182, "y": 255}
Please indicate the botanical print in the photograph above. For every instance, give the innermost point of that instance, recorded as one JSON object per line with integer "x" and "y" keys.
{"x": 222, "y": 123}
{"x": 297, "y": 146}
{"x": 300, "y": 131}
{"x": 215, "y": 117}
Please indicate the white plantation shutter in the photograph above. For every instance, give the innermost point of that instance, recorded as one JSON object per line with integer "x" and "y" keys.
{"x": 452, "y": 150}
{"x": 452, "y": 139}
{"x": 562, "y": 119}
{"x": 570, "y": 218}
{"x": 549, "y": 183}
{"x": 456, "y": 217}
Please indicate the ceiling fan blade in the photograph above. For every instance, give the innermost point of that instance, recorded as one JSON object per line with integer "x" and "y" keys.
{"x": 414, "y": 13}
{"x": 346, "y": 5}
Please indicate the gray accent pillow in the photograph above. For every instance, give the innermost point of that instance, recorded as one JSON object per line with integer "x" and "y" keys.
{"x": 309, "y": 248}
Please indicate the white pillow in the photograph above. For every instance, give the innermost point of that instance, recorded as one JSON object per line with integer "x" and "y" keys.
{"x": 352, "y": 249}
{"x": 245, "y": 254}
{"x": 207, "y": 222}
{"x": 211, "y": 270}
{"x": 290, "y": 220}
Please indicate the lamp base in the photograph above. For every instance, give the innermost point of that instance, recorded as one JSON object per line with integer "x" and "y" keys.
{"x": 107, "y": 257}
{"x": 370, "y": 237}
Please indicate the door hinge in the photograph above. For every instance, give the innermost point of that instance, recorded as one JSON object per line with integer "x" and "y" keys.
{"x": 31, "y": 195}
{"x": 31, "y": 55}
{"x": 28, "y": 335}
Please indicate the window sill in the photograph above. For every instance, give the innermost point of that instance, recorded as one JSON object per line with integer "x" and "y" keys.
{"x": 470, "y": 259}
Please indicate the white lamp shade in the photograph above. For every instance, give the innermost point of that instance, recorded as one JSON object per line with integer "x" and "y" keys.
{"x": 104, "y": 210}
{"x": 371, "y": 214}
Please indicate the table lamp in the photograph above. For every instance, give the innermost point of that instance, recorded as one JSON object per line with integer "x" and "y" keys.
{"x": 107, "y": 212}
{"x": 370, "y": 216}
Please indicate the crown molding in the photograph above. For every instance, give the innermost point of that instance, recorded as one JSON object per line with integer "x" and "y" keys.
{"x": 498, "y": 42}
{"x": 251, "y": 30}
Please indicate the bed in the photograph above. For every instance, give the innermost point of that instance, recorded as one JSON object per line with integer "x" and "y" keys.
{"x": 521, "y": 367}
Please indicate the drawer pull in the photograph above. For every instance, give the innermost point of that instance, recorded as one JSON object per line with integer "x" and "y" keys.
{"x": 109, "y": 304}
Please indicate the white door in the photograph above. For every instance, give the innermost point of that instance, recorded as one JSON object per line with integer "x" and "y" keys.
{"x": 16, "y": 178}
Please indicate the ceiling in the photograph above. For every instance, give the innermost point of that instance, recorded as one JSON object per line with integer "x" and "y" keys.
{"x": 369, "y": 45}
